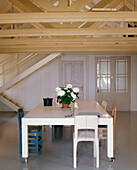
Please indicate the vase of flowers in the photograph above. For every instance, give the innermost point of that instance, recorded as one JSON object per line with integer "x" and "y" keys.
{"x": 67, "y": 94}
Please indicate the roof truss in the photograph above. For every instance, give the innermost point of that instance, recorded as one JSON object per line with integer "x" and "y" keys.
{"x": 76, "y": 34}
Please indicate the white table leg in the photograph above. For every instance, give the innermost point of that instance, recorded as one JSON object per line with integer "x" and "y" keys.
{"x": 26, "y": 160}
{"x": 110, "y": 153}
{"x": 24, "y": 139}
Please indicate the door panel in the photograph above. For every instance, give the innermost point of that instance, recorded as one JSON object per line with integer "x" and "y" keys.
{"x": 122, "y": 84}
{"x": 113, "y": 82}
{"x": 73, "y": 73}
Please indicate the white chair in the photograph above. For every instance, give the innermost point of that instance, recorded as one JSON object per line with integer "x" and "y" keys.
{"x": 86, "y": 129}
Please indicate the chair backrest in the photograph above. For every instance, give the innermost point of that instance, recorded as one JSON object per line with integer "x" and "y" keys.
{"x": 86, "y": 122}
{"x": 20, "y": 114}
{"x": 104, "y": 105}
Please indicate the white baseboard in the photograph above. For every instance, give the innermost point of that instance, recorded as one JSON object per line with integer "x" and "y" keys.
{"x": 133, "y": 110}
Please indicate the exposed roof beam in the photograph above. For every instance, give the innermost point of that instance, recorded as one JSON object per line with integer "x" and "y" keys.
{"x": 77, "y": 6}
{"x": 118, "y": 4}
{"x": 63, "y": 5}
{"x": 40, "y": 41}
{"x": 93, "y": 48}
{"x": 125, "y": 16}
{"x": 67, "y": 32}
{"x": 26, "y": 6}
{"x": 129, "y": 5}
{"x": 6, "y": 8}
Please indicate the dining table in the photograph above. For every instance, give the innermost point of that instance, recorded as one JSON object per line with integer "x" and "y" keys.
{"x": 56, "y": 115}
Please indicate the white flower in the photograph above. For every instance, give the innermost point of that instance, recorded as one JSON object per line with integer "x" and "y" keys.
{"x": 69, "y": 86}
{"x": 73, "y": 96}
{"x": 75, "y": 89}
{"x": 58, "y": 89}
{"x": 60, "y": 93}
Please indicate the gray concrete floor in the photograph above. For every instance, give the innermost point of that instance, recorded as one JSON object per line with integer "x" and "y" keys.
{"x": 57, "y": 147}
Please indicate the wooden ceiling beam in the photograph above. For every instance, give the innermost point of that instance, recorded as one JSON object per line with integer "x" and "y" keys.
{"x": 129, "y": 5}
{"x": 124, "y": 16}
{"x": 63, "y": 5}
{"x": 25, "y": 6}
{"x": 48, "y": 6}
{"x": 76, "y": 45}
{"x": 42, "y": 41}
{"x": 44, "y": 4}
{"x": 6, "y": 8}
{"x": 115, "y": 4}
{"x": 67, "y": 32}
{"x": 78, "y": 5}
{"x": 92, "y": 48}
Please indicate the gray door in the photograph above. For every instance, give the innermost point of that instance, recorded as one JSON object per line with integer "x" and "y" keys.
{"x": 73, "y": 73}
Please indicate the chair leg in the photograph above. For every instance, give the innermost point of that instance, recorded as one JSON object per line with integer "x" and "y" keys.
{"x": 41, "y": 139}
{"x": 44, "y": 127}
{"x": 20, "y": 143}
{"x": 94, "y": 150}
{"x": 74, "y": 154}
{"x": 37, "y": 143}
{"x": 97, "y": 154}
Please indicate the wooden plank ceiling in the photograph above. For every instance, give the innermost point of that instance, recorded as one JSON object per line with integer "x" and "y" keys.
{"x": 47, "y": 26}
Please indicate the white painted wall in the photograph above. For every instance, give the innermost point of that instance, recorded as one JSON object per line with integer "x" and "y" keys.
{"x": 133, "y": 83}
{"x": 29, "y": 92}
